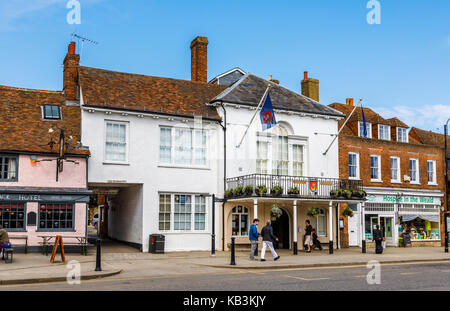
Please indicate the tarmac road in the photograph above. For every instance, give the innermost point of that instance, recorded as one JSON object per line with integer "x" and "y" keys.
{"x": 407, "y": 277}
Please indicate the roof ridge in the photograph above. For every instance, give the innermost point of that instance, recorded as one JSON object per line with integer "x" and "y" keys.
{"x": 149, "y": 76}
{"x": 29, "y": 90}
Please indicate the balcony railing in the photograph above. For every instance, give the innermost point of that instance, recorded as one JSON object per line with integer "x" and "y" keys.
{"x": 293, "y": 187}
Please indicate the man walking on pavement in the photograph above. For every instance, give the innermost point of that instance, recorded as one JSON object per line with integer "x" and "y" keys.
{"x": 253, "y": 236}
{"x": 268, "y": 239}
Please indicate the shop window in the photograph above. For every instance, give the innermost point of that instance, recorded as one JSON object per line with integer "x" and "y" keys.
{"x": 56, "y": 217}
{"x": 12, "y": 216}
{"x": 421, "y": 227}
{"x": 371, "y": 222}
{"x": 8, "y": 168}
{"x": 51, "y": 112}
{"x": 240, "y": 221}
{"x": 164, "y": 211}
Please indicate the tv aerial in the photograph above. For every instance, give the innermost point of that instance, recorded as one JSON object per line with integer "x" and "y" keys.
{"x": 83, "y": 40}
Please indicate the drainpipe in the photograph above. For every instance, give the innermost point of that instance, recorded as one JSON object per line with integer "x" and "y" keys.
{"x": 224, "y": 127}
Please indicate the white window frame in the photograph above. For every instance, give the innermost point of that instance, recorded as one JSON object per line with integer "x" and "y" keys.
{"x": 240, "y": 233}
{"x": 322, "y": 213}
{"x": 399, "y": 179}
{"x": 417, "y": 181}
{"x": 357, "y": 177}
{"x": 434, "y": 181}
{"x": 292, "y": 140}
{"x": 379, "y": 179}
{"x": 406, "y": 135}
{"x": 388, "y": 130}
{"x": 172, "y": 213}
{"x": 194, "y": 147}
{"x": 369, "y": 129}
{"x": 127, "y": 141}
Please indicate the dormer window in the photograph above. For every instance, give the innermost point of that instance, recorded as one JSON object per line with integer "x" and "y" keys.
{"x": 51, "y": 112}
{"x": 402, "y": 134}
{"x": 384, "y": 132}
{"x": 361, "y": 129}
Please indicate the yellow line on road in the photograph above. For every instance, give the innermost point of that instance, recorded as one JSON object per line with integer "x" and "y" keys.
{"x": 409, "y": 273}
{"x": 305, "y": 279}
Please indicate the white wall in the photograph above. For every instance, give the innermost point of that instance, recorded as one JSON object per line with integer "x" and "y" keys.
{"x": 143, "y": 168}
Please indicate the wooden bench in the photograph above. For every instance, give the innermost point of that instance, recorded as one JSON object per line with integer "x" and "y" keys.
{"x": 21, "y": 237}
{"x": 8, "y": 255}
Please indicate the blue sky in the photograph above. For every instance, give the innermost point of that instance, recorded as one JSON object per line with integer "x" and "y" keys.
{"x": 400, "y": 67}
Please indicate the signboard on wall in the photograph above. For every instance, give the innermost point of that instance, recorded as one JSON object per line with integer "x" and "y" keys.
{"x": 13, "y": 197}
{"x": 378, "y": 198}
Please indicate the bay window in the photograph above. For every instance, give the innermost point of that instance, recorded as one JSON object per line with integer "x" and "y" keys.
{"x": 116, "y": 141}
{"x": 183, "y": 146}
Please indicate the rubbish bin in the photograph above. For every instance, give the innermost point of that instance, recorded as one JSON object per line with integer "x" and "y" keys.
{"x": 156, "y": 245}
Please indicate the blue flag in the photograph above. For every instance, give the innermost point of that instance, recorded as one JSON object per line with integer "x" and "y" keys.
{"x": 267, "y": 114}
{"x": 364, "y": 123}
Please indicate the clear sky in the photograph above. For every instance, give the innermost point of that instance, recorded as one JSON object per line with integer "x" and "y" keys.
{"x": 400, "y": 67}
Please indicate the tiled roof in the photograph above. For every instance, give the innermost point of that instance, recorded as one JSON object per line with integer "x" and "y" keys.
{"x": 429, "y": 137}
{"x": 117, "y": 90}
{"x": 250, "y": 89}
{"x": 22, "y": 127}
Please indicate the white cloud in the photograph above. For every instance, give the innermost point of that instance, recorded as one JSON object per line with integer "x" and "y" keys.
{"x": 428, "y": 117}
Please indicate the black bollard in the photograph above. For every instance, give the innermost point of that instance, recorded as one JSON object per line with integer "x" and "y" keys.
{"x": 233, "y": 259}
{"x": 363, "y": 246}
{"x": 98, "y": 265}
{"x": 295, "y": 248}
{"x": 331, "y": 247}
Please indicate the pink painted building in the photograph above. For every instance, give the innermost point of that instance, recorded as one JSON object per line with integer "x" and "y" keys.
{"x": 43, "y": 168}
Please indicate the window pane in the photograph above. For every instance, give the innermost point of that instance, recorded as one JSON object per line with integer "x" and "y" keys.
{"x": 165, "y": 148}
{"x": 8, "y": 168}
{"x": 56, "y": 216}
{"x": 183, "y": 146}
{"x": 116, "y": 142}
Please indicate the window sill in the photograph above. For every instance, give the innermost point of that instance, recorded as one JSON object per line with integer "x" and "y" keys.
{"x": 6, "y": 180}
{"x": 376, "y": 181}
{"x": 183, "y": 232}
{"x": 415, "y": 183}
{"x": 395, "y": 182}
{"x": 16, "y": 230}
{"x": 432, "y": 184}
{"x": 116, "y": 163}
{"x": 354, "y": 178}
{"x": 55, "y": 230}
{"x": 205, "y": 168}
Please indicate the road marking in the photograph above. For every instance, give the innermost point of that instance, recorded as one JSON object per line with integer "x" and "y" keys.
{"x": 409, "y": 273}
{"x": 446, "y": 271}
{"x": 305, "y": 279}
{"x": 360, "y": 276}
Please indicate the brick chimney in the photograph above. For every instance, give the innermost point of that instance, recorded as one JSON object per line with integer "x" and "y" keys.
{"x": 273, "y": 80}
{"x": 199, "y": 59}
{"x": 71, "y": 64}
{"x": 349, "y": 101}
{"x": 310, "y": 87}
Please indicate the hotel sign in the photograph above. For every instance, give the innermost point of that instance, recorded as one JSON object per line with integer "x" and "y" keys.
{"x": 403, "y": 199}
{"x": 13, "y": 197}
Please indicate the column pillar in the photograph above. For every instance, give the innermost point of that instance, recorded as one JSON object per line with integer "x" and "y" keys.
{"x": 255, "y": 208}
{"x": 330, "y": 229}
{"x": 395, "y": 224}
{"x": 294, "y": 229}
{"x": 363, "y": 229}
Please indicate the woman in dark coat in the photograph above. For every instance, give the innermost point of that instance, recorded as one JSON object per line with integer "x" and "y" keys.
{"x": 378, "y": 237}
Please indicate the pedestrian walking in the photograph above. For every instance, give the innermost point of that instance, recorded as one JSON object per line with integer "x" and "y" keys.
{"x": 378, "y": 237}
{"x": 308, "y": 236}
{"x": 253, "y": 235}
{"x": 268, "y": 239}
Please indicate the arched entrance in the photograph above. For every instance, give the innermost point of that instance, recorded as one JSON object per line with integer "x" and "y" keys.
{"x": 281, "y": 231}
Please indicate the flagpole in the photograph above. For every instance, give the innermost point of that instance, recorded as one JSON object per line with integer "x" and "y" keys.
{"x": 254, "y": 115}
{"x": 342, "y": 127}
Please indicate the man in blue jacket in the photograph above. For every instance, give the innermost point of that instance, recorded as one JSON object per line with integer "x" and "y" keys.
{"x": 253, "y": 236}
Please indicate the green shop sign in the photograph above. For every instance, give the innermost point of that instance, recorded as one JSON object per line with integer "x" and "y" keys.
{"x": 400, "y": 199}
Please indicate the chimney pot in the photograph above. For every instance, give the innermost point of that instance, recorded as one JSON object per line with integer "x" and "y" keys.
{"x": 349, "y": 101}
{"x": 72, "y": 48}
{"x": 305, "y": 75}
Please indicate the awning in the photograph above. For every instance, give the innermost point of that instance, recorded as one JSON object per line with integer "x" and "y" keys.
{"x": 431, "y": 218}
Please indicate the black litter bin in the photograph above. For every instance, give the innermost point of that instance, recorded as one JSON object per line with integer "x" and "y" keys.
{"x": 157, "y": 242}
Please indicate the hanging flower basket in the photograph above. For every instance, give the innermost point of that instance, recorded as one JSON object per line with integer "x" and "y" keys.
{"x": 314, "y": 212}
{"x": 276, "y": 212}
{"x": 348, "y": 212}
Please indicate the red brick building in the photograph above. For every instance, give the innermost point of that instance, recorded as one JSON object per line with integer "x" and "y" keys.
{"x": 403, "y": 175}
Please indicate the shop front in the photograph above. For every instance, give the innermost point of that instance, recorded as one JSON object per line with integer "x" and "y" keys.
{"x": 396, "y": 211}
{"x": 30, "y": 214}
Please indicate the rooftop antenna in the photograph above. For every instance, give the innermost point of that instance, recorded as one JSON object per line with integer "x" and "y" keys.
{"x": 83, "y": 40}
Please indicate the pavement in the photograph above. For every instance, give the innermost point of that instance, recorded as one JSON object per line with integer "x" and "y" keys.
{"x": 121, "y": 261}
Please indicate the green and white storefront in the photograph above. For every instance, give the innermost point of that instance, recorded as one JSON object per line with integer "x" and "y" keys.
{"x": 394, "y": 210}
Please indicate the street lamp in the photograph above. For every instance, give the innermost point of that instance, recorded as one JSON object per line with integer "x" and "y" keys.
{"x": 446, "y": 185}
